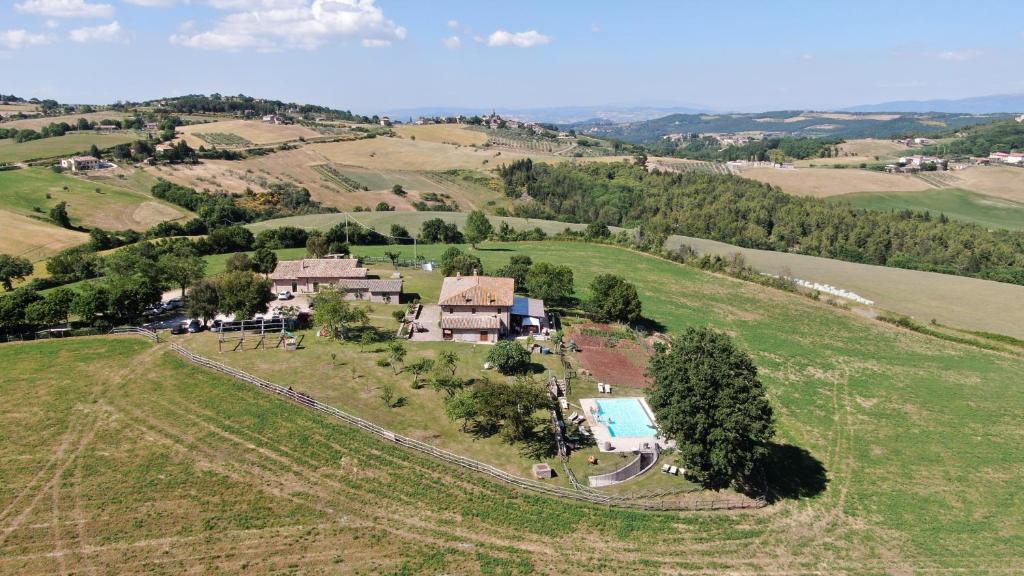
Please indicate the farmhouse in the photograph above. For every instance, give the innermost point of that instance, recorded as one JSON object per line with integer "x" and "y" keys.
{"x": 81, "y": 163}
{"x": 385, "y": 121}
{"x": 309, "y": 275}
{"x": 476, "y": 308}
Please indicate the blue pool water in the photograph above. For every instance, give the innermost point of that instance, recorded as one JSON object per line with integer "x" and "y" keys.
{"x": 625, "y": 417}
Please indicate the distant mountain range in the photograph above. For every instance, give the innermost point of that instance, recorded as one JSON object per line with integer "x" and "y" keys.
{"x": 1009, "y": 103}
{"x": 553, "y": 115}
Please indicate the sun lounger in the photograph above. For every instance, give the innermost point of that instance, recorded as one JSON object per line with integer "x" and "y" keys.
{"x": 607, "y": 388}
{"x": 665, "y": 468}
{"x": 584, "y": 431}
{"x": 673, "y": 470}
{"x": 563, "y": 403}
{"x": 600, "y": 386}
{"x": 573, "y": 416}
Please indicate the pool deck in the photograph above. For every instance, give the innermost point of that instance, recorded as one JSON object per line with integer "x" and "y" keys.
{"x": 618, "y": 443}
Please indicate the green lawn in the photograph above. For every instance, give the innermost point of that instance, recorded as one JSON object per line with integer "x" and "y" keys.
{"x": 953, "y": 202}
{"x": 111, "y": 204}
{"x": 67, "y": 145}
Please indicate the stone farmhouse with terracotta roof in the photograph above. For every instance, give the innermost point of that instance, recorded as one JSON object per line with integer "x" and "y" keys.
{"x": 310, "y": 275}
{"x": 476, "y": 308}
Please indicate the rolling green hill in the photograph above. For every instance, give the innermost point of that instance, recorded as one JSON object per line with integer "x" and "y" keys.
{"x": 955, "y": 203}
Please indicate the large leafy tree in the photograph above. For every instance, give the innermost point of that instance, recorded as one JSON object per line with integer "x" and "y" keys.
{"x": 335, "y": 315}
{"x": 511, "y": 405}
{"x": 203, "y": 300}
{"x": 52, "y": 309}
{"x": 517, "y": 268}
{"x": 182, "y": 269}
{"x": 478, "y": 228}
{"x": 550, "y": 282}
{"x": 509, "y": 357}
{"x": 243, "y": 294}
{"x": 13, "y": 268}
{"x": 613, "y": 299}
{"x": 707, "y": 397}
{"x": 264, "y": 260}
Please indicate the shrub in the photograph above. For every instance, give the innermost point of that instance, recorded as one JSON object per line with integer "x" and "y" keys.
{"x": 508, "y": 357}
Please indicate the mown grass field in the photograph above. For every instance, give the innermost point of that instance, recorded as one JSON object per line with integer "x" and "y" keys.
{"x": 67, "y": 145}
{"x": 39, "y": 122}
{"x": 122, "y": 458}
{"x": 826, "y": 182}
{"x": 110, "y": 204}
{"x": 413, "y": 221}
{"x": 35, "y": 238}
{"x": 955, "y": 203}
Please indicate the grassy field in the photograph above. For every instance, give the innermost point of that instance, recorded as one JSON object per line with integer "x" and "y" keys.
{"x": 959, "y": 204}
{"x": 864, "y": 150}
{"x": 37, "y": 123}
{"x": 253, "y": 131}
{"x": 825, "y": 182}
{"x": 33, "y": 238}
{"x": 67, "y": 145}
{"x": 998, "y": 181}
{"x": 110, "y": 204}
{"x": 413, "y": 221}
{"x": 121, "y": 458}
{"x": 954, "y": 300}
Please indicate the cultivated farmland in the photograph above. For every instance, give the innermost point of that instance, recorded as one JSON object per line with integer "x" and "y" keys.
{"x": 67, "y": 145}
{"x": 825, "y": 182}
{"x": 33, "y": 191}
{"x": 988, "y": 211}
{"x": 39, "y": 122}
{"x": 35, "y": 239}
{"x": 457, "y": 134}
{"x": 254, "y": 131}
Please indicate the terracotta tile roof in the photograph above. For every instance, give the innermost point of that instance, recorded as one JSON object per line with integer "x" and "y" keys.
{"x": 318, "y": 268}
{"x": 373, "y": 285}
{"x": 477, "y": 290}
{"x": 475, "y": 322}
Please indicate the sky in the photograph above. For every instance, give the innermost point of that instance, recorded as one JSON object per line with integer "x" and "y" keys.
{"x": 373, "y": 55}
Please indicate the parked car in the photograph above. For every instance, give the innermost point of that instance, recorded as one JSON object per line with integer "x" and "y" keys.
{"x": 195, "y": 326}
{"x": 284, "y": 295}
{"x": 179, "y": 329}
{"x": 216, "y": 325}
{"x": 172, "y": 304}
{"x": 152, "y": 311}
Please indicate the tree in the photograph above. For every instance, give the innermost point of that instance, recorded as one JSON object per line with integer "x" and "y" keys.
{"x": 59, "y": 214}
{"x": 613, "y": 299}
{"x": 517, "y": 268}
{"x": 90, "y": 302}
{"x": 393, "y": 256}
{"x": 13, "y": 268}
{"x": 203, "y": 300}
{"x": 94, "y": 151}
{"x": 12, "y": 310}
{"x": 52, "y": 309}
{"x": 436, "y": 231}
{"x": 448, "y": 360}
{"x": 396, "y": 354}
{"x": 264, "y": 261}
{"x": 478, "y": 228}
{"x": 230, "y": 239}
{"x": 461, "y": 406}
{"x": 549, "y": 282}
{"x": 597, "y": 230}
{"x": 397, "y": 190}
{"x": 129, "y": 295}
{"x": 366, "y": 338}
{"x": 707, "y": 396}
{"x": 447, "y": 383}
{"x": 387, "y": 395}
{"x": 182, "y": 269}
{"x": 243, "y": 294}
{"x": 316, "y": 245}
{"x": 239, "y": 262}
{"x": 334, "y": 314}
{"x": 508, "y": 357}
{"x": 510, "y": 405}
{"x": 419, "y": 368}
{"x": 455, "y": 261}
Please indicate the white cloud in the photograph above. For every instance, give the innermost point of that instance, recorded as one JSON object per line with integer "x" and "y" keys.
{"x": 453, "y": 24}
{"x": 65, "y": 9}
{"x": 959, "y": 55}
{"x": 595, "y": 28}
{"x": 807, "y": 57}
{"x": 284, "y": 24}
{"x": 14, "y": 39}
{"x": 106, "y": 33}
{"x": 452, "y": 42}
{"x": 153, "y": 3}
{"x": 526, "y": 39}
{"x": 51, "y": 24}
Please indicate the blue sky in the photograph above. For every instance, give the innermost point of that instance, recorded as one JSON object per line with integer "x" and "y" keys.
{"x": 369, "y": 55}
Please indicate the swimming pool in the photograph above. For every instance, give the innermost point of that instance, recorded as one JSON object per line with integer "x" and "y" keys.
{"x": 625, "y": 417}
